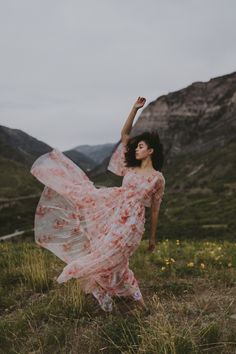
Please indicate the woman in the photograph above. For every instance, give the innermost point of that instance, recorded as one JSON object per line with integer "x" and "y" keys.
{"x": 96, "y": 230}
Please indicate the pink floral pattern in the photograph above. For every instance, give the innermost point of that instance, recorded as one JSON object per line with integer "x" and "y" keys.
{"x": 94, "y": 230}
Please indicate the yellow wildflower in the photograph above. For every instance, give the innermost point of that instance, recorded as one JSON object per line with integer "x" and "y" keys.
{"x": 202, "y": 265}
{"x": 218, "y": 257}
{"x": 163, "y": 268}
{"x": 190, "y": 264}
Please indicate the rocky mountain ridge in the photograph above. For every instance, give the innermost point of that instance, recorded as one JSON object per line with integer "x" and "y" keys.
{"x": 192, "y": 120}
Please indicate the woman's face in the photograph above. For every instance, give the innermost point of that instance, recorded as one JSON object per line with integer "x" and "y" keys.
{"x": 142, "y": 151}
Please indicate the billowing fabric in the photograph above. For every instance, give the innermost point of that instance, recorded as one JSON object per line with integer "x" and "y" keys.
{"x": 94, "y": 230}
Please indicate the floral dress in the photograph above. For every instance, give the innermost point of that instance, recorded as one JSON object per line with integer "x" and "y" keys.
{"x": 94, "y": 230}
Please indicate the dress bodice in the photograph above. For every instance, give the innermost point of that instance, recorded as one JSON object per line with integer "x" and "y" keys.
{"x": 143, "y": 186}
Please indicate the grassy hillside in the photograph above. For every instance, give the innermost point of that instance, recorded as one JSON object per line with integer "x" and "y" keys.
{"x": 16, "y": 180}
{"x": 189, "y": 282}
{"x": 19, "y": 196}
{"x": 199, "y": 197}
{"x": 189, "y": 286}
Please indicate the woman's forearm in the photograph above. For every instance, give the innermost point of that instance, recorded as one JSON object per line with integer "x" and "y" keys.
{"x": 154, "y": 222}
{"x": 129, "y": 122}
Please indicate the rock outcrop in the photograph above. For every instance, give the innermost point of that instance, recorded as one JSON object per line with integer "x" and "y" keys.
{"x": 193, "y": 119}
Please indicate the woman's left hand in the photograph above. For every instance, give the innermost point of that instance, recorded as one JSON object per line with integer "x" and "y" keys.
{"x": 152, "y": 245}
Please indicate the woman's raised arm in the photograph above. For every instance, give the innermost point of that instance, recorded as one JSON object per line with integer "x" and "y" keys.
{"x": 129, "y": 122}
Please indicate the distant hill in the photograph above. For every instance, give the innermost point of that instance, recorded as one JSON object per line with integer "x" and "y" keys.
{"x": 96, "y": 152}
{"x": 18, "y": 151}
{"x": 88, "y": 157}
{"x": 18, "y": 146}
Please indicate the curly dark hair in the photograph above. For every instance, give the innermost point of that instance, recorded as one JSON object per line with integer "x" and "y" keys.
{"x": 152, "y": 140}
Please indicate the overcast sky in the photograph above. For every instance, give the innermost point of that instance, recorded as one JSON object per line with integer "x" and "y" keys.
{"x": 71, "y": 70}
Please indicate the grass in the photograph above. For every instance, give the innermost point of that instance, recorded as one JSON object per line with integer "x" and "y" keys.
{"x": 189, "y": 285}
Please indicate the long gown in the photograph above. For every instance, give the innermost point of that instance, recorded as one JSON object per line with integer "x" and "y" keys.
{"x": 94, "y": 230}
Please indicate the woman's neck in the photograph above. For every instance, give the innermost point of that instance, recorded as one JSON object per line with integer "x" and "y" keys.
{"x": 146, "y": 165}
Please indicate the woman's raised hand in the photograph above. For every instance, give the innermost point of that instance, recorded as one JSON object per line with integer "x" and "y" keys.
{"x": 140, "y": 102}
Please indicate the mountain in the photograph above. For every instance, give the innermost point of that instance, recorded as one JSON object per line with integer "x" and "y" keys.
{"x": 96, "y": 152}
{"x": 82, "y": 160}
{"x": 190, "y": 121}
{"x": 88, "y": 157}
{"x": 18, "y": 146}
{"x": 195, "y": 119}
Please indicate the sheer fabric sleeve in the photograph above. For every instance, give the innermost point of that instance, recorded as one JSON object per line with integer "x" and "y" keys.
{"x": 159, "y": 190}
{"x": 117, "y": 161}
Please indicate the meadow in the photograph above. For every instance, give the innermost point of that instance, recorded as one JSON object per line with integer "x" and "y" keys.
{"x": 189, "y": 286}
{"x": 189, "y": 282}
